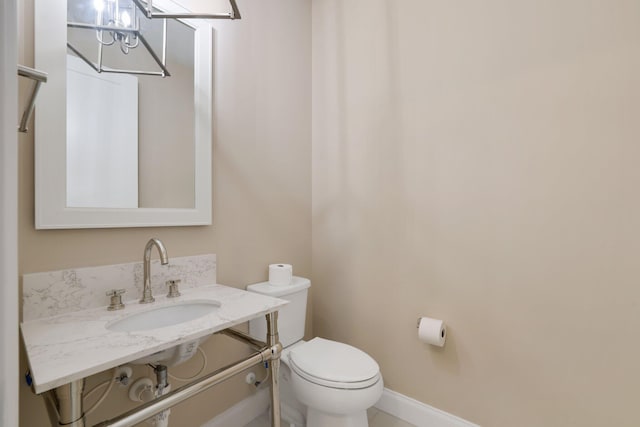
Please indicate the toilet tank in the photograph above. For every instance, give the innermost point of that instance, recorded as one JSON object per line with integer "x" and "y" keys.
{"x": 291, "y": 317}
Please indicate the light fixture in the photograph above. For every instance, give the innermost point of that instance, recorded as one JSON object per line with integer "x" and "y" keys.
{"x": 117, "y": 22}
{"x": 109, "y": 13}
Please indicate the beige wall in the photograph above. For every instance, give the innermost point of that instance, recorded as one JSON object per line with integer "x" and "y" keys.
{"x": 167, "y": 137}
{"x": 261, "y": 185}
{"x": 478, "y": 162}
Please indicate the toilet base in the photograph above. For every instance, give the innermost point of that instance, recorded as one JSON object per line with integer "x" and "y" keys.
{"x": 317, "y": 418}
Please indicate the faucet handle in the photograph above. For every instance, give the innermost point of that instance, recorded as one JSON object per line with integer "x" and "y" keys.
{"x": 173, "y": 288}
{"x": 116, "y": 299}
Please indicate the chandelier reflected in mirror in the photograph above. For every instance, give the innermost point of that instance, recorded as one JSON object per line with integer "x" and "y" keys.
{"x": 110, "y": 14}
{"x": 125, "y": 25}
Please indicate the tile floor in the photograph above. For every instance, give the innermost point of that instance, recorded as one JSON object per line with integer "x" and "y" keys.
{"x": 376, "y": 417}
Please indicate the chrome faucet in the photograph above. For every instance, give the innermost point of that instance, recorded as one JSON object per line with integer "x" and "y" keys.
{"x": 164, "y": 259}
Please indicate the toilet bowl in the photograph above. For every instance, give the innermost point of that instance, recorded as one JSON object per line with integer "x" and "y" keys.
{"x": 335, "y": 381}
{"x": 332, "y": 383}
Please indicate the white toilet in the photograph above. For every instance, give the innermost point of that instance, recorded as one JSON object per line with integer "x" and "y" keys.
{"x": 325, "y": 383}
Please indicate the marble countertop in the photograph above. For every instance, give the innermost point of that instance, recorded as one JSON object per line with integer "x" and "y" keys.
{"x": 71, "y": 346}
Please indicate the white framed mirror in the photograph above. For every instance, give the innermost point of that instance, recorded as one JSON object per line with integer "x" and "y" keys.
{"x": 127, "y": 151}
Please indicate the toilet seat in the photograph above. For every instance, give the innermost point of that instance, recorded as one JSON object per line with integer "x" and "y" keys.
{"x": 334, "y": 364}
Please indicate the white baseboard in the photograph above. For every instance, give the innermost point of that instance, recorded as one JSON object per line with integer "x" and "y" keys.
{"x": 417, "y": 413}
{"x": 243, "y": 412}
{"x": 396, "y": 404}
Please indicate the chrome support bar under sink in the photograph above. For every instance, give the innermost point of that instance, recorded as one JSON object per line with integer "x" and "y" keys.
{"x": 255, "y": 344}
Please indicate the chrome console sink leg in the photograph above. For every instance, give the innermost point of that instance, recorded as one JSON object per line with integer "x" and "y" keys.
{"x": 273, "y": 341}
{"x": 67, "y": 404}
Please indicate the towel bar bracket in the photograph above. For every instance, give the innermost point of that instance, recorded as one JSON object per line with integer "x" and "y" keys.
{"x": 38, "y": 77}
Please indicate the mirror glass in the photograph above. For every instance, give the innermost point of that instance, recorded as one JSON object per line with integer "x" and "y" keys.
{"x": 122, "y": 148}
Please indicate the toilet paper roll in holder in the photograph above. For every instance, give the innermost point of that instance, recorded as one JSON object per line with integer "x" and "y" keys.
{"x": 431, "y": 331}
{"x": 418, "y": 326}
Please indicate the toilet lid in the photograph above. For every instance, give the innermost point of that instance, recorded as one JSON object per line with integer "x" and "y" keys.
{"x": 334, "y": 364}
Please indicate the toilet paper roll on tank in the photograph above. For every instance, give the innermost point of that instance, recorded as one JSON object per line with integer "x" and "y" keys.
{"x": 280, "y": 274}
{"x": 432, "y": 331}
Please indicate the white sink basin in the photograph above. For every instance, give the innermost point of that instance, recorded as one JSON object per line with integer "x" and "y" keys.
{"x": 160, "y": 317}
{"x": 172, "y": 356}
